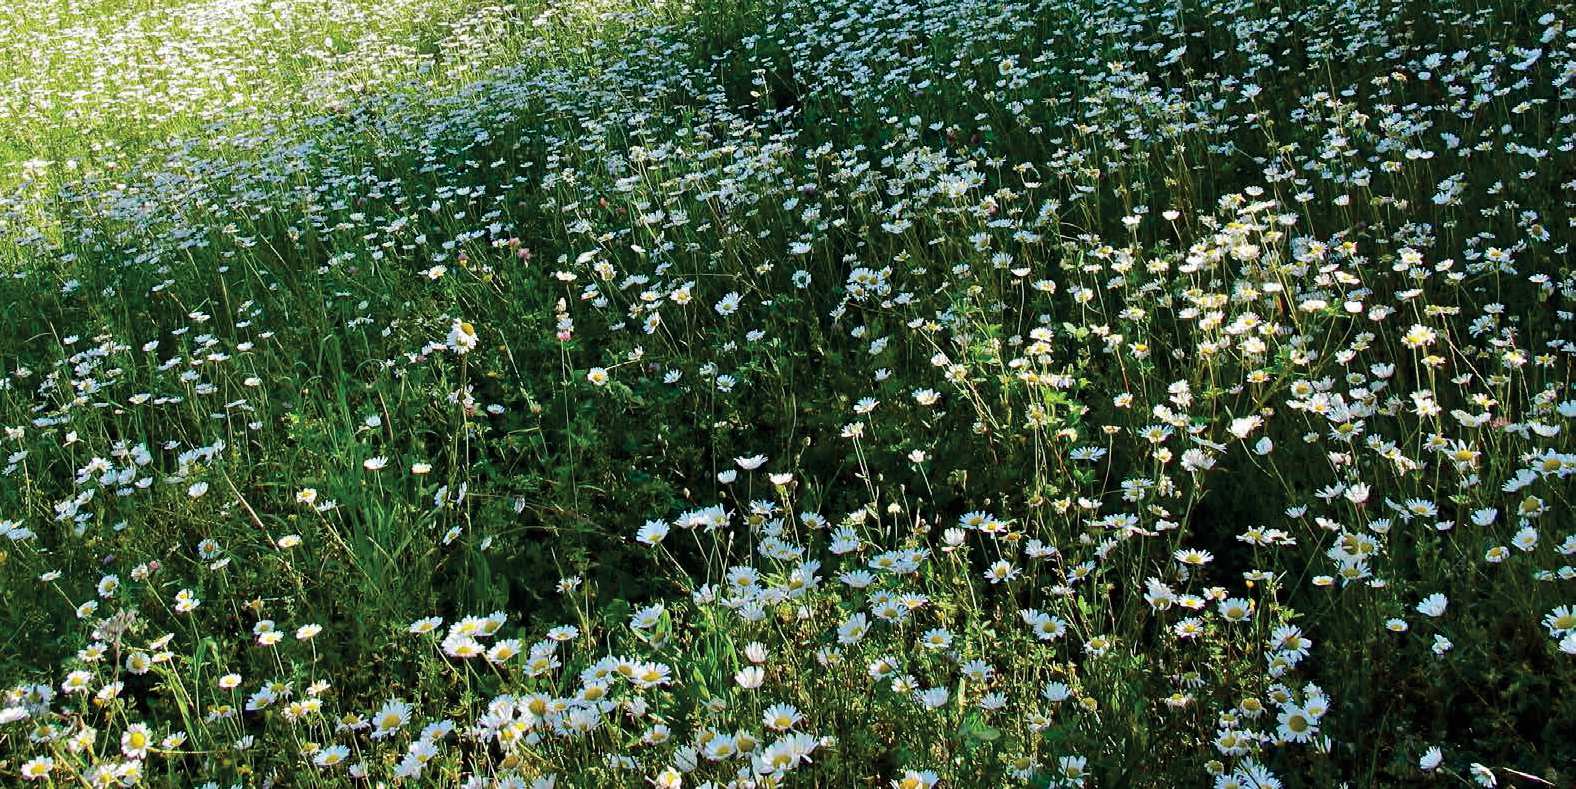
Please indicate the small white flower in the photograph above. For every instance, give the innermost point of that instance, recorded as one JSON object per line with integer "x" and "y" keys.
{"x": 1431, "y": 759}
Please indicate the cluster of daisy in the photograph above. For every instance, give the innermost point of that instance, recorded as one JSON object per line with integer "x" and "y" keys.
{"x": 861, "y": 392}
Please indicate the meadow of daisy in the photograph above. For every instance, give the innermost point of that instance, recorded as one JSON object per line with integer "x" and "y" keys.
{"x": 733, "y": 393}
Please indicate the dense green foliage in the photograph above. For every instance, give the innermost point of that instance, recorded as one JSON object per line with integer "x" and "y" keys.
{"x": 1070, "y": 392}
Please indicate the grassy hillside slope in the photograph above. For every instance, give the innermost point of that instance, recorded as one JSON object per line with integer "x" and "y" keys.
{"x": 1068, "y": 392}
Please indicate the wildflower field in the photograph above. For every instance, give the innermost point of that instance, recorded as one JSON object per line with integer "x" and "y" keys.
{"x": 758, "y": 393}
